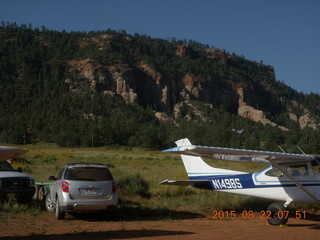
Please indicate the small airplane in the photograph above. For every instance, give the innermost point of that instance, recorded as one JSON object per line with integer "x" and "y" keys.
{"x": 290, "y": 178}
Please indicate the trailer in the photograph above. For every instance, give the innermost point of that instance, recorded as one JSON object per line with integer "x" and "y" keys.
{"x": 42, "y": 189}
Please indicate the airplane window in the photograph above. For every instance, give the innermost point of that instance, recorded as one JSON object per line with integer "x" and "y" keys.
{"x": 315, "y": 167}
{"x": 274, "y": 172}
{"x": 297, "y": 170}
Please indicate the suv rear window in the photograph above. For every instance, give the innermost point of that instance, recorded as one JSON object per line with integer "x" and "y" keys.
{"x": 88, "y": 174}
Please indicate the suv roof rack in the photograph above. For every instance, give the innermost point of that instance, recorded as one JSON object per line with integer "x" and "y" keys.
{"x": 89, "y": 163}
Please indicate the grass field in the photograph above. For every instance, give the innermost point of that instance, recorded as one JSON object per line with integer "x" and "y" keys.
{"x": 144, "y": 169}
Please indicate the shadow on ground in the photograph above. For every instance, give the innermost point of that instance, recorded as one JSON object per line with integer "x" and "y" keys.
{"x": 308, "y": 216}
{"x": 132, "y": 211}
{"x": 118, "y": 234}
{"x": 136, "y": 214}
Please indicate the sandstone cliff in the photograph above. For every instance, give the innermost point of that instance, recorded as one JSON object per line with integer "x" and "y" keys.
{"x": 170, "y": 93}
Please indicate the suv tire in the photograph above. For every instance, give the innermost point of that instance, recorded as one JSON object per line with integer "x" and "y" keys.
{"x": 59, "y": 214}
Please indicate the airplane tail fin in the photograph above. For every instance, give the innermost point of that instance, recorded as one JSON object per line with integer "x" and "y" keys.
{"x": 196, "y": 168}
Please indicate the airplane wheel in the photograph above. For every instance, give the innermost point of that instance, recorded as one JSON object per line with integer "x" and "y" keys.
{"x": 276, "y": 219}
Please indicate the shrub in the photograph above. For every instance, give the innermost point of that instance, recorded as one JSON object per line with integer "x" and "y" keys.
{"x": 134, "y": 184}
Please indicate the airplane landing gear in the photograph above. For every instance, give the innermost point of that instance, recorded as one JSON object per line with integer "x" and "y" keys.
{"x": 277, "y": 218}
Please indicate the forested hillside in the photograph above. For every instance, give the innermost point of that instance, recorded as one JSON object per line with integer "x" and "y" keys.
{"x": 112, "y": 88}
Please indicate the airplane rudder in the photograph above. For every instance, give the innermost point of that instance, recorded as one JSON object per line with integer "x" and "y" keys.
{"x": 194, "y": 164}
{"x": 183, "y": 142}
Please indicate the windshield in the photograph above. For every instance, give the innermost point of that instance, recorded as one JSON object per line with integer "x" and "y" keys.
{"x": 5, "y": 166}
{"x": 274, "y": 172}
{"x": 88, "y": 173}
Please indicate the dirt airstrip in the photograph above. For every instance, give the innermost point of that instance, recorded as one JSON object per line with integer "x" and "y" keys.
{"x": 177, "y": 226}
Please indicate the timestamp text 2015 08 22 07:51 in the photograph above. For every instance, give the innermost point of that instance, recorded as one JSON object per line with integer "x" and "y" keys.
{"x": 220, "y": 215}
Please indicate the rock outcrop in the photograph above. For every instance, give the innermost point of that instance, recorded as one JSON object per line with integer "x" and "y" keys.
{"x": 254, "y": 114}
{"x": 165, "y": 92}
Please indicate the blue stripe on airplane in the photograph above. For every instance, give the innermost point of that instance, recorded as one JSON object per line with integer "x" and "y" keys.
{"x": 242, "y": 181}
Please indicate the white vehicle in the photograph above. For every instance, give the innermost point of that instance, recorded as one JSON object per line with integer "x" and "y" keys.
{"x": 290, "y": 178}
{"x": 12, "y": 181}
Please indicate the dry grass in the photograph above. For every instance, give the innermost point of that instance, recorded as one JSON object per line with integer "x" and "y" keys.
{"x": 153, "y": 166}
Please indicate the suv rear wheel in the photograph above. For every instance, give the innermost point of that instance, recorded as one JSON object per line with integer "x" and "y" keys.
{"x": 59, "y": 214}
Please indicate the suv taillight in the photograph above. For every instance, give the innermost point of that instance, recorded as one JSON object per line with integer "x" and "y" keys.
{"x": 65, "y": 186}
{"x": 114, "y": 188}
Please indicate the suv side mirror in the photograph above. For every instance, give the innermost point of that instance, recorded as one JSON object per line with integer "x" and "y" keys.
{"x": 53, "y": 178}
{"x": 19, "y": 169}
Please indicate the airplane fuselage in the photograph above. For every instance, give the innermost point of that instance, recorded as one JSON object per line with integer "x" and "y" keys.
{"x": 259, "y": 184}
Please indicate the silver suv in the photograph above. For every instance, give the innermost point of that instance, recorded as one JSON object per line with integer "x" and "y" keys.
{"x": 82, "y": 187}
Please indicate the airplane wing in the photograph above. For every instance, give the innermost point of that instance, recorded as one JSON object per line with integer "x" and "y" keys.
{"x": 183, "y": 182}
{"x": 241, "y": 155}
{"x": 10, "y": 152}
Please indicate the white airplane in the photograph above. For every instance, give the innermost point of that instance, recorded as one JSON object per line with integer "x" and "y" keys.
{"x": 290, "y": 178}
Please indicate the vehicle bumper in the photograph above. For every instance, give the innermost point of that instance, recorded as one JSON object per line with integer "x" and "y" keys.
{"x": 79, "y": 207}
{"x": 25, "y": 194}
{"x": 90, "y": 205}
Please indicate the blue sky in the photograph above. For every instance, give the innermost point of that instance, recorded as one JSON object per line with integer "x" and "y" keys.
{"x": 282, "y": 33}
